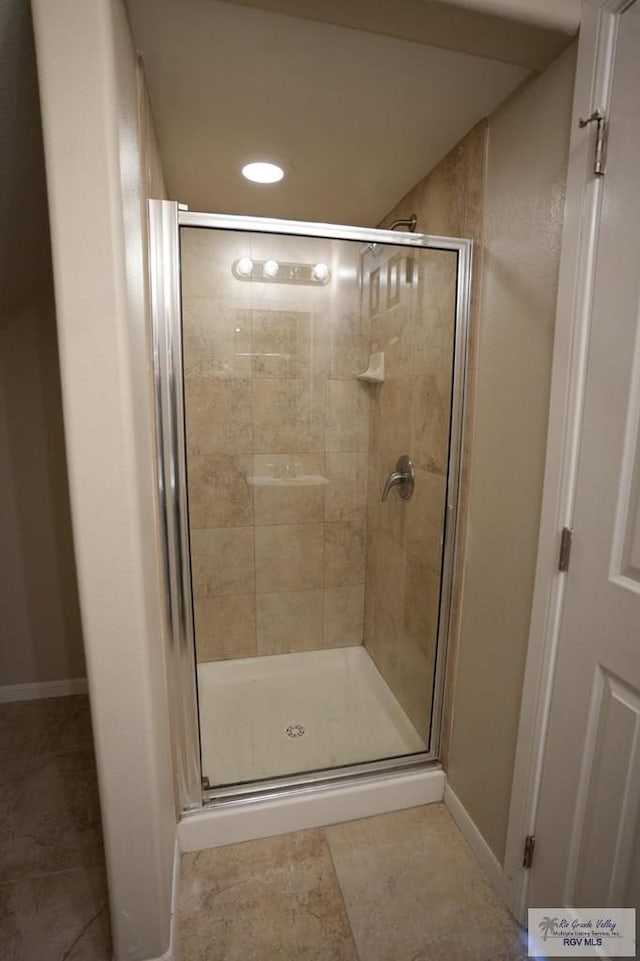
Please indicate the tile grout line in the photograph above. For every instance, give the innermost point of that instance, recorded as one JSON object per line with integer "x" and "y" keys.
{"x": 342, "y": 897}
{"x": 254, "y": 492}
{"x": 53, "y": 874}
{"x": 324, "y": 379}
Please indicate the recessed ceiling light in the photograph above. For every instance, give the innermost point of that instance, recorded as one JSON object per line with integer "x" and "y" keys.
{"x": 262, "y": 172}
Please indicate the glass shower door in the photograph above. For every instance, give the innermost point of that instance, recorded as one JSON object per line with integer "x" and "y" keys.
{"x": 313, "y": 358}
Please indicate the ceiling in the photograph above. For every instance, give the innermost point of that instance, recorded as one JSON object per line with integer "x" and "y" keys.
{"x": 358, "y": 108}
{"x": 562, "y": 14}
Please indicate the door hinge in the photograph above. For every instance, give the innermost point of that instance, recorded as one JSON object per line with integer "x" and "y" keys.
{"x": 566, "y": 540}
{"x": 529, "y": 845}
{"x": 602, "y": 131}
{"x": 206, "y": 786}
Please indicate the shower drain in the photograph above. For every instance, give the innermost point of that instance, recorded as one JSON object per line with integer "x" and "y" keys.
{"x": 295, "y": 730}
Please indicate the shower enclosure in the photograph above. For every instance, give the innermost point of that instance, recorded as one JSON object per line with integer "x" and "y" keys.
{"x": 309, "y": 389}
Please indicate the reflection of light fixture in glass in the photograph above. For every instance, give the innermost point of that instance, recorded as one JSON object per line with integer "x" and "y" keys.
{"x": 244, "y": 266}
{"x": 320, "y": 272}
{"x": 262, "y": 172}
{"x": 347, "y": 273}
{"x": 281, "y": 272}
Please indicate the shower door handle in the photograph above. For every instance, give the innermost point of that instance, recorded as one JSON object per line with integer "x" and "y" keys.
{"x": 403, "y": 477}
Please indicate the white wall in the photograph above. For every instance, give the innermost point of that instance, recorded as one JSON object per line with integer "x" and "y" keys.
{"x": 97, "y": 169}
{"x": 40, "y": 619}
{"x": 524, "y": 207}
{"x": 40, "y": 634}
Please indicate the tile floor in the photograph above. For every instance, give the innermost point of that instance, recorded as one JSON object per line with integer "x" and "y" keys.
{"x": 336, "y": 701}
{"x": 397, "y": 887}
{"x": 53, "y": 896}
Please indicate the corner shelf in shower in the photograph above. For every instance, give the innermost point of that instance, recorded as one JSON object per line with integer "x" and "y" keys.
{"x": 374, "y": 374}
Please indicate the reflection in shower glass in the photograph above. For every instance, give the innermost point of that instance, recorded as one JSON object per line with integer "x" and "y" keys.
{"x": 315, "y": 603}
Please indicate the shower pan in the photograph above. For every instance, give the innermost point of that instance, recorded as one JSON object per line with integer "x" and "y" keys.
{"x": 309, "y": 390}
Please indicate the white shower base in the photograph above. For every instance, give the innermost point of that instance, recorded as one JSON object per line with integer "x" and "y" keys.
{"x": 347, "y": 710}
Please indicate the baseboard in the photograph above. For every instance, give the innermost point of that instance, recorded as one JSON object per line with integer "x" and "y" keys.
{"x": 485, "y": 856}
{"x": 39, "y": 690}
{"x": 228, "y": 824}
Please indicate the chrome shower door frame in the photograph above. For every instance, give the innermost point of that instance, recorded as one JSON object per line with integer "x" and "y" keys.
{"x": 166, "y": 307}
{"x": 165, "y": 220}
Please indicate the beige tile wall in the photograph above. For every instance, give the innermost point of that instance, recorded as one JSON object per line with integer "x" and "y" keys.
{"x": 450, "y": 201}
{"x": 410, "y": 414}
{"x": 270, "y": 394}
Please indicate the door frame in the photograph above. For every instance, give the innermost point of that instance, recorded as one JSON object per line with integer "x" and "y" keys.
{"x": 594, "y": 74}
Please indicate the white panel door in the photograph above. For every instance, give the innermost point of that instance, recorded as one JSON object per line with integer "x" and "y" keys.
{"x": 588, "y": 826}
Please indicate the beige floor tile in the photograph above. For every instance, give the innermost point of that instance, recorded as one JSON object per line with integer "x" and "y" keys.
{"x": 68, "y": 725}
{"x": 50, "y": 826}
{"x": 53, "y": 725}
{"x": 275, "y": 899}
{"x": 49, "y": 815}
{"x": 414, "y": 892}
{"x": 60, "y": 917}
{"x": 22, "y": 727}
{"x": 13, "y": 772}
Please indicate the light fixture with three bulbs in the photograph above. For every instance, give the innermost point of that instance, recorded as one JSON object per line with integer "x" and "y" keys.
{"x": 280, "y": 272}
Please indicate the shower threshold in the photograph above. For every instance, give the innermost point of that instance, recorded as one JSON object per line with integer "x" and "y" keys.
{"x": 287, "y": 715}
